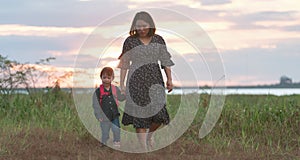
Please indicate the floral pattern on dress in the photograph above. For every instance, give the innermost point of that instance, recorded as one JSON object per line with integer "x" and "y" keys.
{"x": 145, "y": 92}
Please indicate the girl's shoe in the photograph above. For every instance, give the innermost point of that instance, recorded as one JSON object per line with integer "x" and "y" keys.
{"x": 117, "y": 144}
{"x": 102, "y": 145}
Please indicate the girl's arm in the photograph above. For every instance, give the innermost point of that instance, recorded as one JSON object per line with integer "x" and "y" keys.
{"x": 97, "y": 108}
{"x": 169, "y": 78}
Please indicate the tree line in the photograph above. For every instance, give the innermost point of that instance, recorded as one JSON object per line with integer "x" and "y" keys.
{"x": 15, "y": 75}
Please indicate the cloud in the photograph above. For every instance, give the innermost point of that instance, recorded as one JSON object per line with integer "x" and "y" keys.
{"x": 265, "y": 64}
{"x": 272, "y": 15}
{"x": 21, "y": 30}
{"x": 31, "y": 49}
{"x": 254, "y": 37}
{"x": 87, "y": 61}
{"x": 292, "y": 28}
{"x": 214, "y": 2}
{"x": 169, "y": 3}
{"x": 58, "y": 13}
{"x": 249, "y": 6}
{"x": 261, "y": 20}
{"x": 135, "y": 4}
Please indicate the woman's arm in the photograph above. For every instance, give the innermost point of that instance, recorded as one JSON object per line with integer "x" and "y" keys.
{"x": 123, "y": 73}
{"x": 120, "y": 95}
{"x": 169, "y": 78}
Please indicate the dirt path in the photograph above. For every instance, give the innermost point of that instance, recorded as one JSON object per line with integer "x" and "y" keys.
{"x": 40, "y": 144}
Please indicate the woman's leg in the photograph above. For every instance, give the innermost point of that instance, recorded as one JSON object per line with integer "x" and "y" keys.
{"x": 142, "y": 135}
{"x": 152, "y": 129}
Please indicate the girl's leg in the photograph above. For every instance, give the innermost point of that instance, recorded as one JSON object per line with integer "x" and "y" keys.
{"x": 105, "y": 127}
{"x": 141, "y": 134}
{"x": 116, "y": 129}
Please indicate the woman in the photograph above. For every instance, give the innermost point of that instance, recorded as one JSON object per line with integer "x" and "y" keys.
{"x": 145, "y": 106}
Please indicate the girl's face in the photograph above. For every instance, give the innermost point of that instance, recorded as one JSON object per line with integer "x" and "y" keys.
{"x": 142, "y": 28}
{"x": 106, "y": 79}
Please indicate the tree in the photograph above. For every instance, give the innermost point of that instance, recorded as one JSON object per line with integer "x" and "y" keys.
{"x": 11, "y": 78}
{"x": 16, "y": 75}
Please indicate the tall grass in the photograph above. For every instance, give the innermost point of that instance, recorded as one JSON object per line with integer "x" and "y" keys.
{"x": 55, "y": 111}
{"x": 252, "y": 122}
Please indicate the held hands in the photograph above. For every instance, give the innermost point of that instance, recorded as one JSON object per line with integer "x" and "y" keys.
{"x": 123, "y": 89}
{"x": 100, "y": 119}
{"x": 169, "y": 85}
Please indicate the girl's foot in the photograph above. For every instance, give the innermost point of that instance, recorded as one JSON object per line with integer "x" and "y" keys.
{"x": 117, "y": 144}
{"x": 102, "y": 145}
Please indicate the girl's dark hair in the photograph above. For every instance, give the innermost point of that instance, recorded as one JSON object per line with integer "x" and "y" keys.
{"x": 107, "y": 71}
{"x": 145, "y": 17}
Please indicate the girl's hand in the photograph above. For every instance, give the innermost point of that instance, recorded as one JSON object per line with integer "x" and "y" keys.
{"x": 100, "y": 119}
{"x": 169, "y": 85}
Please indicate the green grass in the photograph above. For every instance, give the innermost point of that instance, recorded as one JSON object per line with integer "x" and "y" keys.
{"x": 252, "y": 122}
{"x": 54, "y": 111}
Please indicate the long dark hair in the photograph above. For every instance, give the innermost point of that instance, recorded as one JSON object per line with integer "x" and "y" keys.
{"x": 145, "y": 17}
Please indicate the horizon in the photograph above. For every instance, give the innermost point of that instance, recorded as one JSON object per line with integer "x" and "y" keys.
{"x": 275, "y": 85}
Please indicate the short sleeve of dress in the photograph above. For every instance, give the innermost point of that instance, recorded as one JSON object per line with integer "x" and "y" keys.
{"x": 124, "y": 57}
{"x": 165, "y": 56}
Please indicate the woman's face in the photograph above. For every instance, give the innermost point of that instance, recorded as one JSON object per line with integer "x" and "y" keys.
{"x": 142, "y": 28}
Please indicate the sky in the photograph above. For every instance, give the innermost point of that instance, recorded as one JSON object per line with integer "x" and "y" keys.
{"x": 257, "y": 41}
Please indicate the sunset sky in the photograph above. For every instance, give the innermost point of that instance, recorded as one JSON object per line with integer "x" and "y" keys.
{"x": 258, "y": 40}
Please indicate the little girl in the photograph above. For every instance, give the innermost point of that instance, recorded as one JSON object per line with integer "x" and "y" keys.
{"x": 105, "y": 104}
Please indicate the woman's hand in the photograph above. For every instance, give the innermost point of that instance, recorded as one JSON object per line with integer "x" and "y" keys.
{"x": 169, "y": 85}
{"x": 169, "y": 78}
{"x": 123, "y": 89}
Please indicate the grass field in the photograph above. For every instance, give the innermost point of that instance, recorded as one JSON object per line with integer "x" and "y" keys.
{"x": 47, "y": 126}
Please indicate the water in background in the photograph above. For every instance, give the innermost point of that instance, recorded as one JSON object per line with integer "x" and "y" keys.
{"x": 249, "y": 91}
{"x": 225, "y": 91}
